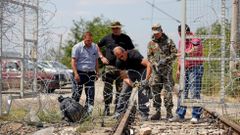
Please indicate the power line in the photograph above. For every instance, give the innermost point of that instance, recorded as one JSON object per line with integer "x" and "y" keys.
{"x": 153, "y": 5}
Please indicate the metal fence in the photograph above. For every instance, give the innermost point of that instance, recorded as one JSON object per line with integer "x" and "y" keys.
{"x": 211, "y": 22}
{"x": 208, "y": 19}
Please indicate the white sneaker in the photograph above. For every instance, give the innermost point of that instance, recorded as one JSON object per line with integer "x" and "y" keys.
{"x": 194, "y": 120}
{"x": 176, "y": 119}
{"x": 90, "y": 109}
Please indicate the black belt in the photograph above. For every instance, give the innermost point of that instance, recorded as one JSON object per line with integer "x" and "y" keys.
{"x": 88, "y": 72}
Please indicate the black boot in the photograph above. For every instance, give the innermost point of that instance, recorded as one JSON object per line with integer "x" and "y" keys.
{"x": 156, "y": 116}
{"x": 169, "y": 114}
{"x": 106, "y": 110}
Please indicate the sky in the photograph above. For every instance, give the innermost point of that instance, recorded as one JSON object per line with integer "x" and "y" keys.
{"x": 137, "y": 16}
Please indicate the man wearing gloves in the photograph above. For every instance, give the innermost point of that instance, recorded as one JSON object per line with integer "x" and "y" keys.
{"x": 161, "y": 53}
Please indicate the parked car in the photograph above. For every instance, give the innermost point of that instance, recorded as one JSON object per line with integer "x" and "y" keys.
{"x": 11, "y": 76}
{"x": 65, "y": 74}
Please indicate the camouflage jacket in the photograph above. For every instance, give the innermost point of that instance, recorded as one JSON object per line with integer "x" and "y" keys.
{"x": 161, "y": 49}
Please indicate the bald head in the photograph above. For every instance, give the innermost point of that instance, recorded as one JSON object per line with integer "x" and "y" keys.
{"x": 120, "y": 53}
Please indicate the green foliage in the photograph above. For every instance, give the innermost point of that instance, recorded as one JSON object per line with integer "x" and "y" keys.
{"x": 99, "y": 27}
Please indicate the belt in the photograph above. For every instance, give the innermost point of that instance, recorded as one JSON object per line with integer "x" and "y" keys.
{"x": 81, "y": 71}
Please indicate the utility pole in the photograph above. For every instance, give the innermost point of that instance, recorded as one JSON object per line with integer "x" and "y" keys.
{"x": 223, "y": 51}
{"x": 1, "y": 45}
{"x": 182, "y": 58}
{"x": 36, "y": 48}
{"x": 59, "y": 49}
{"x": 23, "y": 51}
{"x": 234, "y": 34}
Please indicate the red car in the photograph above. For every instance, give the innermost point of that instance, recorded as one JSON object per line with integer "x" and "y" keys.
{"x": 11, "y": 77}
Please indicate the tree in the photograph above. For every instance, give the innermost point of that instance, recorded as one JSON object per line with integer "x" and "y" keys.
{"x": 99, "y": 27}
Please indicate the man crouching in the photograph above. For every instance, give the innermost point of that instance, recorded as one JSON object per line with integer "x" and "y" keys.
{"x": 138, "y": 69}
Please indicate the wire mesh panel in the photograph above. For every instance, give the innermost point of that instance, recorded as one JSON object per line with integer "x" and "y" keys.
{"x": 209, "y": 20}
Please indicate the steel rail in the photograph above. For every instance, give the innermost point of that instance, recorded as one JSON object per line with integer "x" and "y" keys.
{"x": 225, "y": 121}
{"x": 124, "y": 120}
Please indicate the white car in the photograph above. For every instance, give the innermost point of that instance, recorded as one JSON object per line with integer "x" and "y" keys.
{"x": 65, "y": 74}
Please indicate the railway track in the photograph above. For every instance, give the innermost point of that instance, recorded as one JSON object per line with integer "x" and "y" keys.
{"x": 210, "y": 124}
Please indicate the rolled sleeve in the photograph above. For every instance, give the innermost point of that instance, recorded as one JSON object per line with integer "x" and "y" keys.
{"x": 74, "y": 52}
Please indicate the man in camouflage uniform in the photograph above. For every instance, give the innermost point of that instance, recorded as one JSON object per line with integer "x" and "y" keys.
{"x": 161, "y": 53}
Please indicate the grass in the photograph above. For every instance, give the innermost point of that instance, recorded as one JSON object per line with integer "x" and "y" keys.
{"x": 14, "y": 115}
{"x": 90, "y": 124}
{"x": 19, "y": 114}
{"x": 96, "y": 121}
{"x": 50, "y": 116}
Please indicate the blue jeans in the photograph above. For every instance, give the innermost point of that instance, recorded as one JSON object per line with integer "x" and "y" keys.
{"x": 193, "y": 82}
{"x": 87, "y": 79}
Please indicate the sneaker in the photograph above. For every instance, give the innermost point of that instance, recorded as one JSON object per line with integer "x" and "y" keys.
{"x": 194, "y": 120}
{"x": 169, "y": 114}
{"x": 90, "y": 109}
{"x": 176, "y": 119}
{"x": 156, "y": 116}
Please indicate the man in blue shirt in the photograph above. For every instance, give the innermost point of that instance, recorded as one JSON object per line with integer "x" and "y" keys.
{"x": 85, "y": 69}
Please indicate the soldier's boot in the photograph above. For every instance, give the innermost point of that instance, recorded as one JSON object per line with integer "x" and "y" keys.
{"x": 169, "y": 114}
{"x": 156, "y": 116}
{"x": 107, "y": 110}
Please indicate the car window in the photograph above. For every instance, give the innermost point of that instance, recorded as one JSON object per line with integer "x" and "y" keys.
{"x": 12, "y": 66}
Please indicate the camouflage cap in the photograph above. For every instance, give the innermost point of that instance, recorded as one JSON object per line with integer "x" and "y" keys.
{"x": 116, "y": 24}
{"x": 156, "y": 28}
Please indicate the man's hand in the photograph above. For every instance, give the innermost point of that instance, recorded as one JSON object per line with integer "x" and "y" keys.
{"x": 77, "y": 78}
{"x": 123, "y": 74}
{"x": 97, "y": 76}
{"x": 104, "y": 60}
{"x": 128, "y": 82}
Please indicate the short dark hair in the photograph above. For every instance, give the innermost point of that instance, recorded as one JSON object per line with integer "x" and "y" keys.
{"x": 187, "y": 28}
{"x": 88, "y": 33}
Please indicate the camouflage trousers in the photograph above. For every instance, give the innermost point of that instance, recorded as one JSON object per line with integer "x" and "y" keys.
{"x": 162, "y": 78}
{"x": 111, "y": 75}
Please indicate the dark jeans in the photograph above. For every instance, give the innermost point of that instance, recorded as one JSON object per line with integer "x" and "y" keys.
{"x": 88, "y": 80}
{"x": 126, "y": 93}
{"x": 193, "y": 83}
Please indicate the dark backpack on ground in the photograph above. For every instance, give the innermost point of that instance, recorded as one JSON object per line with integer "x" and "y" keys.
{"x": 71, "y": 109}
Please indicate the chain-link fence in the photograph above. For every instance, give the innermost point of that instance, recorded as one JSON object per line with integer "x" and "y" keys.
{"x": 217, "y": 87}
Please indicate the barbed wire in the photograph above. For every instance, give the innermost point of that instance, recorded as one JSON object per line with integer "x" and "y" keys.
{"x": 47, "y": 103}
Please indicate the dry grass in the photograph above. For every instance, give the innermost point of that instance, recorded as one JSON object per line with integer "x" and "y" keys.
{"x": 14, "y": 115}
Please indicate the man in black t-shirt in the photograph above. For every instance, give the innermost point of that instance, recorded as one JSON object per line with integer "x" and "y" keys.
{"x": 138, "y": 69}
{"x": 116, "y": 38}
